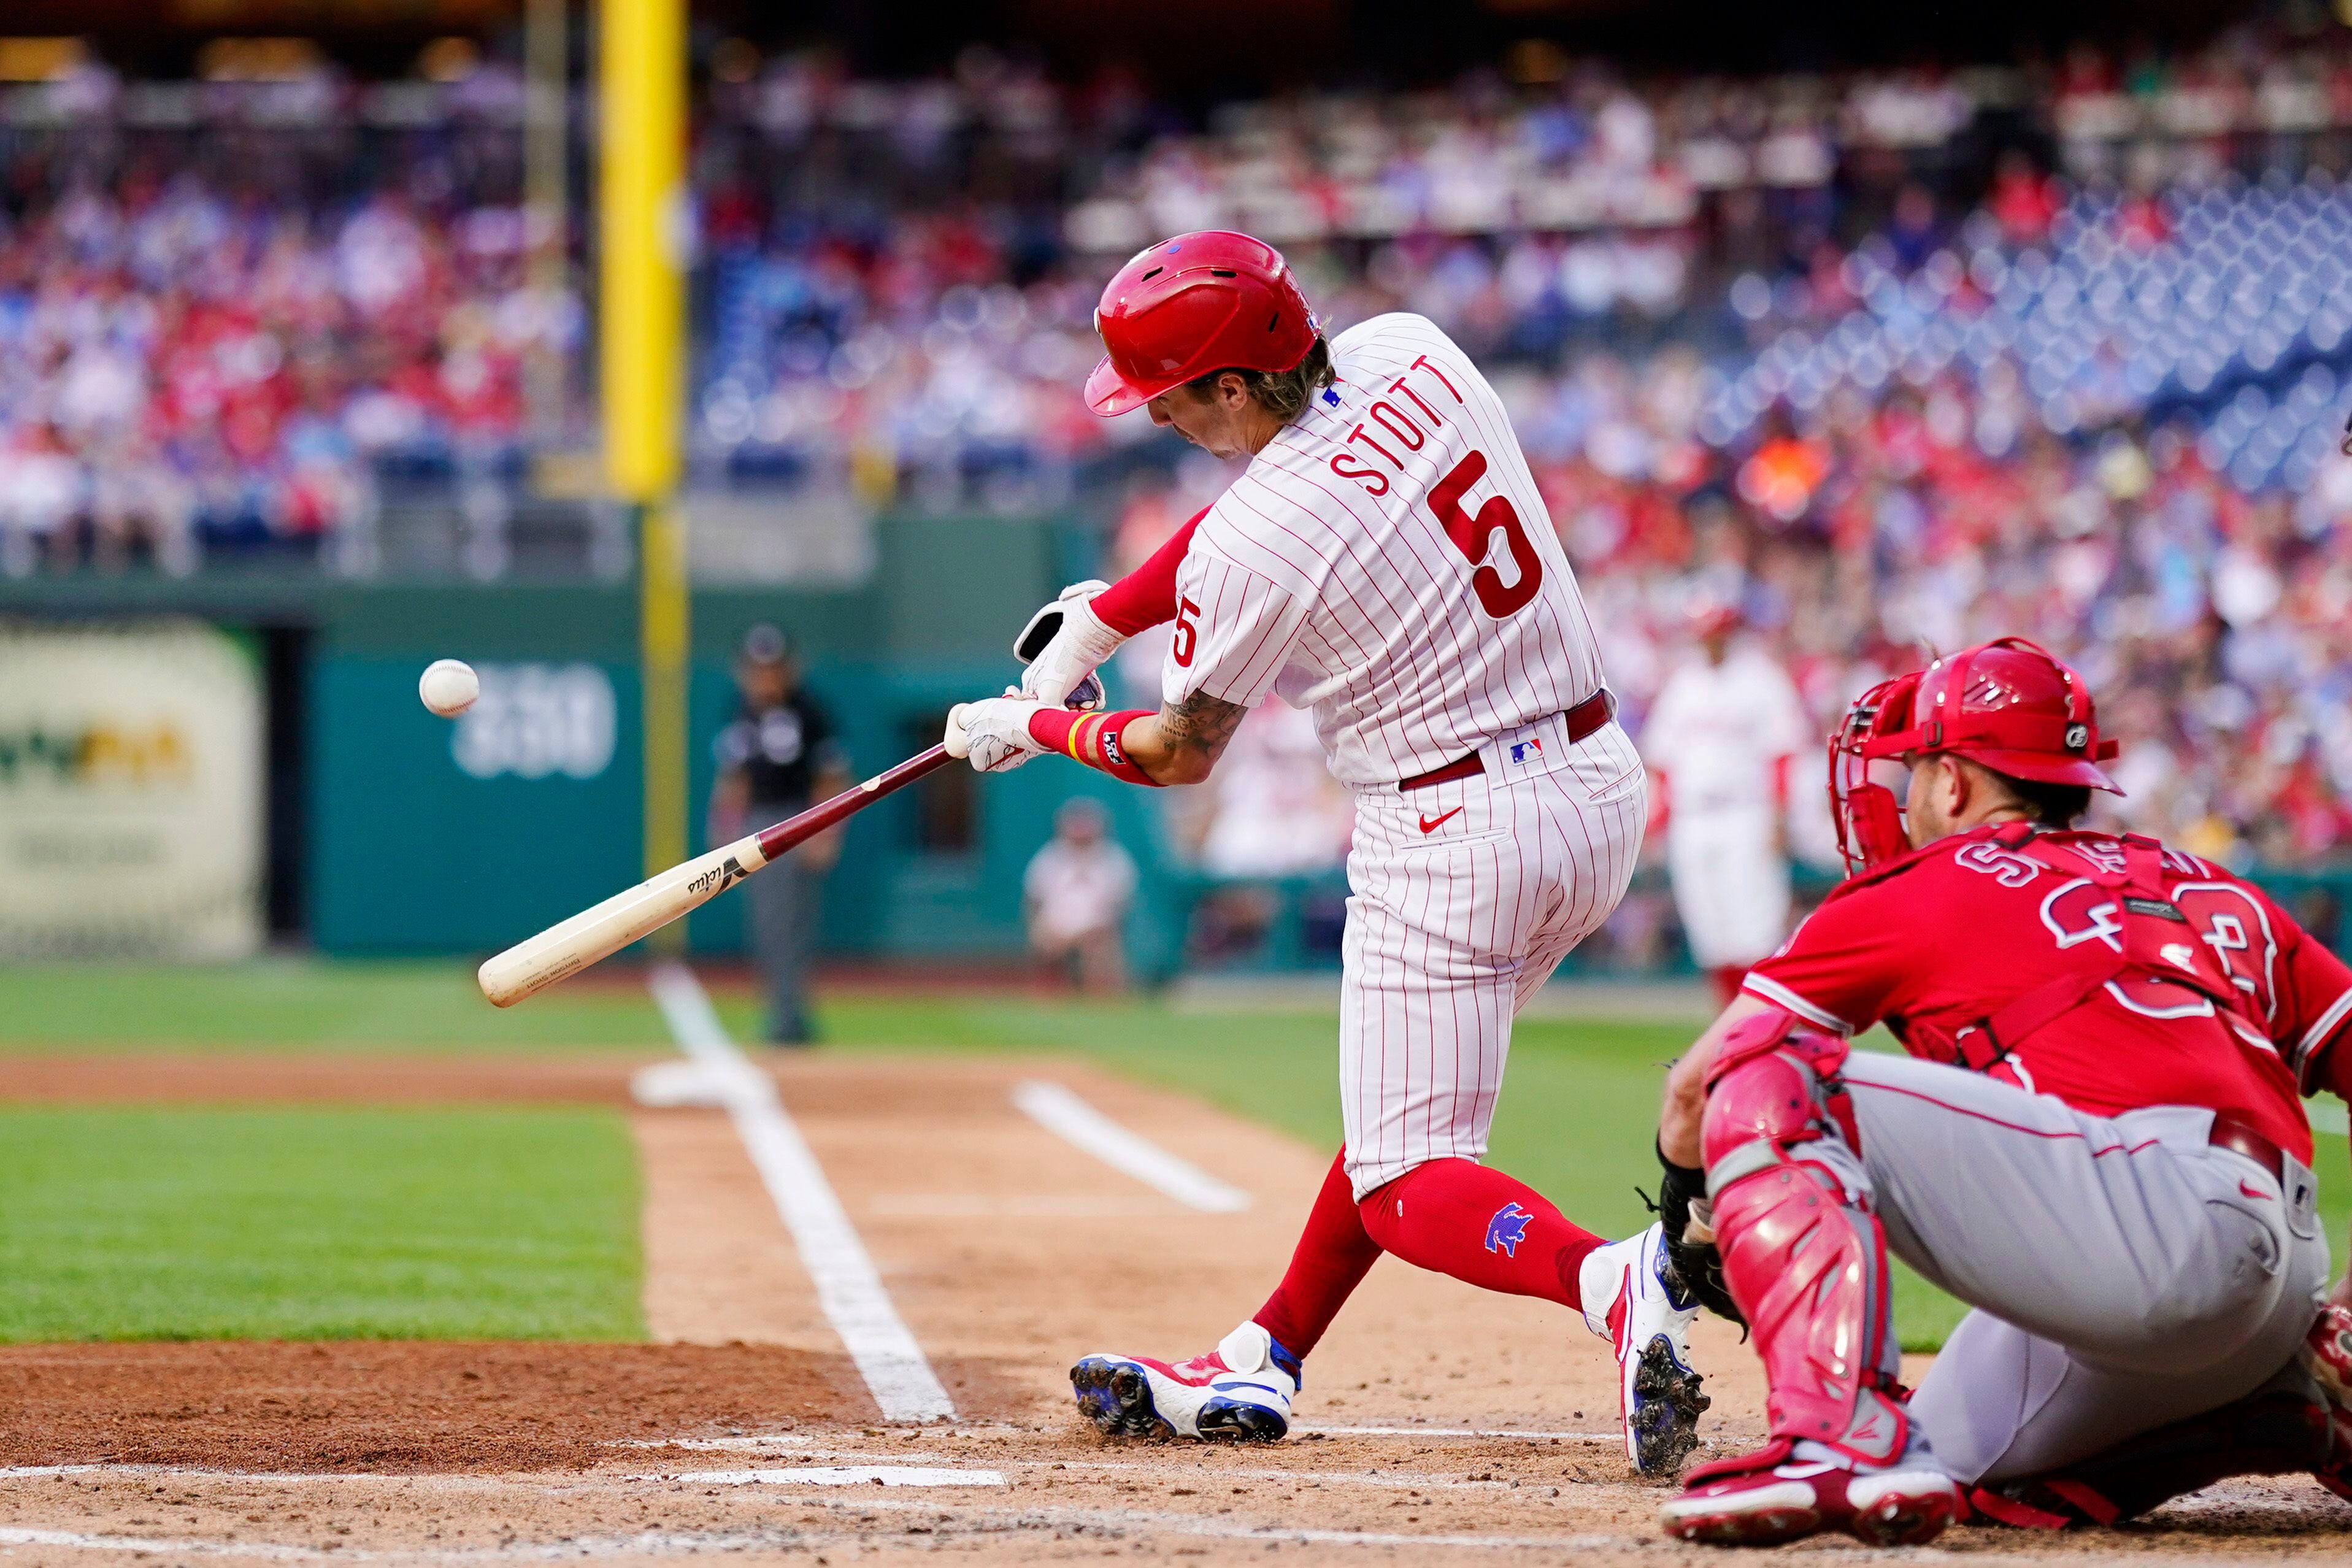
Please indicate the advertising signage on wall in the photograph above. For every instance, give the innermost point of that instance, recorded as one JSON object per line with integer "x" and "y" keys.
{"x": 132, "y": 791}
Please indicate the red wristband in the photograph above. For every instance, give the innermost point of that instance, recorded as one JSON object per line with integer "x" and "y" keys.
{"x": 1091, "y": 739}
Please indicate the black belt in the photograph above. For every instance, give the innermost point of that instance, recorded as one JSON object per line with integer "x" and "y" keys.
{"x": 1582, "y": 720}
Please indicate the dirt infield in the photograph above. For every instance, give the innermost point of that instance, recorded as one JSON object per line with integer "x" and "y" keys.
{"x": 393, "y": 1407}
{"x": 1439, "y": 1422}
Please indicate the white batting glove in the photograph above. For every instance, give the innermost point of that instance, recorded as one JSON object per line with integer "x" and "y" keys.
{"x": 992, "y": 734}
{"x": 1078, "y": 643}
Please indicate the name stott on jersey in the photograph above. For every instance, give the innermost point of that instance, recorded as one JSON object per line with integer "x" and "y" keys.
{"x": 1387, "y": 561}
{"x": 1934, "y": 943}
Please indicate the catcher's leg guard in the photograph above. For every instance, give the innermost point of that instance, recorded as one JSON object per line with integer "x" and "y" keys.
{"x": 1803, "y": 1254}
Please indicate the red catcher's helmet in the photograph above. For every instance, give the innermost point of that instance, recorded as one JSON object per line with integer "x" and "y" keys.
{"x": 1199, "y": 302}
{"x": 2007, "y": 704}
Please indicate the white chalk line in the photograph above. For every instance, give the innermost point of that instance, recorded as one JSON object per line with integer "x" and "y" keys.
{"x": 17, "y": 1535}
{"x": 968, "y": 1521}
{"x": 1054, "y": 1107}
{"x": 847, "y": 1288}
{"x": 943, "y": 1472}
{"x": 833, "y": 1476}
{"x": 1502, "y": 1432}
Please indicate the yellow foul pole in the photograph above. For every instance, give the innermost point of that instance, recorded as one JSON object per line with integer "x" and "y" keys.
{"x": 644, "y": 222}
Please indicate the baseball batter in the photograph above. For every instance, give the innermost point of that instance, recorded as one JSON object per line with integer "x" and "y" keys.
{"x": 1719, "y": 742}
{"x": 2095, "y": 1139}
{"x": 1386, "y": 563}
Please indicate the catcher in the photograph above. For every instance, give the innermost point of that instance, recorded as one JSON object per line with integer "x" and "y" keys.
{"x": 2096, "y": 1141}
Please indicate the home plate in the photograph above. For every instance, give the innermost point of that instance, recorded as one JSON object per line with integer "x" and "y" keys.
{"x": 837, "y": 1476}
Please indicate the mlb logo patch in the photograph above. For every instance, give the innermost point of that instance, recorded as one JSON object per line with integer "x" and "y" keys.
{"x": 1528, "y": 750}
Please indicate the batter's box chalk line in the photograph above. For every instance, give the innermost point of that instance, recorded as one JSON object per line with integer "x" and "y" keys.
{"x": 1060, "y": 1111}
{"x": 850, "y": 1291}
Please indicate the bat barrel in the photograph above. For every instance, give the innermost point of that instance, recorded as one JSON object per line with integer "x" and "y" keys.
{"x": 531, "y": 965}
{"x": 569, "y": 946}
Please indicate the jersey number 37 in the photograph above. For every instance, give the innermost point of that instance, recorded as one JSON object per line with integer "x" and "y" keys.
{"x": 1472, "y": 534}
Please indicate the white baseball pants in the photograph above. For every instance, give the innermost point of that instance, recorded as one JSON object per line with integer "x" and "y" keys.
{"x": 1464, "y": 896}
{"x": 1731, "y": 886}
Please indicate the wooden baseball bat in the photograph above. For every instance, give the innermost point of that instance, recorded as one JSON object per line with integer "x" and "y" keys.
{"x": 564, "y": 949}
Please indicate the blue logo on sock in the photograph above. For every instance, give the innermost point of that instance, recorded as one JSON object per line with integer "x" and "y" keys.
{"x": 1507, "y": 1229}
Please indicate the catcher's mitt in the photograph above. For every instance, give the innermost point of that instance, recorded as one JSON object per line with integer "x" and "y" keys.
{"x": 1697, "y": 1265}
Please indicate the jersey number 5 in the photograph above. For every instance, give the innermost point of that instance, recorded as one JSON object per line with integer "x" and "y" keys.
{"x": 1188, "y": 631}
{"x": 1472, "y": 535}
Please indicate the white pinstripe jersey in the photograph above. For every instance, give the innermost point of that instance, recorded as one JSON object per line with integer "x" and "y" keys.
{"x": 1387, "y": 561}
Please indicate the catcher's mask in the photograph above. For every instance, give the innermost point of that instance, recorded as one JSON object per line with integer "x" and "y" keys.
{"x": 2007, "y": 704}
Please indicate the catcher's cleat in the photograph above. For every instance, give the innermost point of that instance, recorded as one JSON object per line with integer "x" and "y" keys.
{"x": 1769, "y": 1497}
{"x": 1648, "y": 1323}
{"x": 2326, "y": 1356}
{"x": 1240, "y": 1391}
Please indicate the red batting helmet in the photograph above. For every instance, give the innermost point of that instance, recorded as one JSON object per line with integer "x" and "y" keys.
{"x": 1199, "y": 302}
{"x": 2007, "y": 704}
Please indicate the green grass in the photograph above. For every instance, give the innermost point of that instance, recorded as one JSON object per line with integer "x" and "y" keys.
{"x": 1576, "y": 1120}
{"x": 301, "y": 1005}
{"x": 318, "y": 1224}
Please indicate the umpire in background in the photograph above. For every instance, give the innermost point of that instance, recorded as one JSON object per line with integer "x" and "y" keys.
{"x": 776, "y": 755}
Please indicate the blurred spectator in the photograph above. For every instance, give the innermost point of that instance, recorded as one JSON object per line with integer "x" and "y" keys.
{"x": 774, "y": 757}
{"x": 1720, "y": 741}
{"x": 1075, "y": 895}
{"x": 1275, "y": 808}
{"x": 186, "y": 367}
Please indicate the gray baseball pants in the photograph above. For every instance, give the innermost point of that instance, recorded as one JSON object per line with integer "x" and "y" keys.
{"x": 2124, "y": 1272}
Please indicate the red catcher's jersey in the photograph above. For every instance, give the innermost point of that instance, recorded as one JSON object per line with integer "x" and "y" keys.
{"x": 1938, "y": 942}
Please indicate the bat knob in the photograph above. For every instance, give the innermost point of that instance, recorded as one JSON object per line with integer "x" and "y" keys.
{"x": 1086, "y": 696}
{"x": 957, "y": 743}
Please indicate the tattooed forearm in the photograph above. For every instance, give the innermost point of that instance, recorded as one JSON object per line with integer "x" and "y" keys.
{"x": 1201, "y": 724}
{"x": 1182, "y": 742}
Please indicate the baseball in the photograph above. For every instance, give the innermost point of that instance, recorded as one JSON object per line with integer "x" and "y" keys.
{"x": 448, "y": 686}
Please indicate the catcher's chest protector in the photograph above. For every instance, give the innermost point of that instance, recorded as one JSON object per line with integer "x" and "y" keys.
{"x": 2152, "y": 946}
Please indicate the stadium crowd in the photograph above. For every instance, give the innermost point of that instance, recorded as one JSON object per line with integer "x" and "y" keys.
{"x": 1807, "y": 344}
{"x": 184, "y": 365}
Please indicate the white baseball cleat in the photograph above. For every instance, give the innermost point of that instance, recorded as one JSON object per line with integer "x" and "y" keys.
{"x": 1628, "y": 1302}
{"x": 1774, "y": 1496}
{"x": 1239, "y": 1392}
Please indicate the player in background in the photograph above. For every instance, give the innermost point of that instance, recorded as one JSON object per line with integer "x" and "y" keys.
{"x": 1719, "y": 742}
{"x": 1384, "y": 561}
{"x": 2095, "y": 1139}
{"x": 1074, "y": 895}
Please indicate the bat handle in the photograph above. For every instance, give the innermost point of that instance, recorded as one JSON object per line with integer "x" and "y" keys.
{"x": 793, "y": 832}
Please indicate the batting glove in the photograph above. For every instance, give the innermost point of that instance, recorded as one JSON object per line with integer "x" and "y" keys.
{"x": 1073, "y": 643}
{"x": 992, "y": 734}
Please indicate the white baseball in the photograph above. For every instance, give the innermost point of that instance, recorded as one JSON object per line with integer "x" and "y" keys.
{"x": 448, "y": 686}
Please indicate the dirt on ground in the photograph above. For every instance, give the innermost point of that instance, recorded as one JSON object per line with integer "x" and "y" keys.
{"x": 1437, "y": 1424}
{"x": 396, "y": 1405}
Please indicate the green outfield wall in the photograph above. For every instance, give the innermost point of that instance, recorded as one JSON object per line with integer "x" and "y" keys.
{"x": 420, "y": 834}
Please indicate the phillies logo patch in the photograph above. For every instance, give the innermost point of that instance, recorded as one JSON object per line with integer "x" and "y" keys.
{"x": 1507, "y": 1229}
